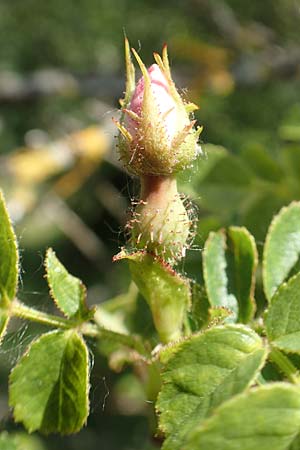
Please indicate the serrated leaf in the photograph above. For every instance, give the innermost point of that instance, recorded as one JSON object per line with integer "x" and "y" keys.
{"x": 229, "y": 264}
{"x": 8, "y": 257}
{"x": 266, "y": 418}
{"x": 203, "y": 372}
{"x": 68, "y": 292}
{"x": 49, "y": 386}
{"x": 167, "y": 293}
{"x": 282, "y": 248}
{"x": 219, "y": 315}
{"x": 283, "y": 316}
{"x": 202, "y": 314}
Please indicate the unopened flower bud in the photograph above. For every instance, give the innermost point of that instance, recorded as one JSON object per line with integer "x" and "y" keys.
{"x": 157, "y": 136}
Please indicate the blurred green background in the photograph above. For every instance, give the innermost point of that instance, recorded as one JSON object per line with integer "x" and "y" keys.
{"x": 61, "y": 75}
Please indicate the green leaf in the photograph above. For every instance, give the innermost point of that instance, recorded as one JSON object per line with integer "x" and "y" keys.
{"x": 266, "y": 418}
{"x": 283, "y": 316}
{"x": 8, "y": 257}
{"x": 200, "y": 311}
{"x": 229, "y": 271}
{"x": 167, "y": 293}
{"x": 219, "y": 315}
{"x": 282, "y": 248}
{"x": 68, "y": 292}
{"x": 203, "y": 372}
{"x": 242, "y": 262}
{"x": 202, "y": 314}
{"x": 214, "y": 268}
{"x": 49, "y": 386}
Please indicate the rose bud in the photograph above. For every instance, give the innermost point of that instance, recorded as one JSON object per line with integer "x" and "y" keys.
{"x": 157, "y": 136}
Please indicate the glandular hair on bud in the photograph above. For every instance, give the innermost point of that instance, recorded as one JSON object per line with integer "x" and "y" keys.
{"x": 160, "y": 223}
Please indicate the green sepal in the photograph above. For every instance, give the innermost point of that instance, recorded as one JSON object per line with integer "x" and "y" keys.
{"x": 167, "y": 293}
{"x": 130, "y": 76}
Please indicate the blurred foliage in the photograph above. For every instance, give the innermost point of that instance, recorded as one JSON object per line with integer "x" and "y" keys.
{"x": 61, "y": 75}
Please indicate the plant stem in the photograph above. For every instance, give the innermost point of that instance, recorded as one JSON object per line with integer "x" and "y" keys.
{"x": 285, "y": 365}
{"x": 130, "y": 341}
{"x": 18, "y": 309}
